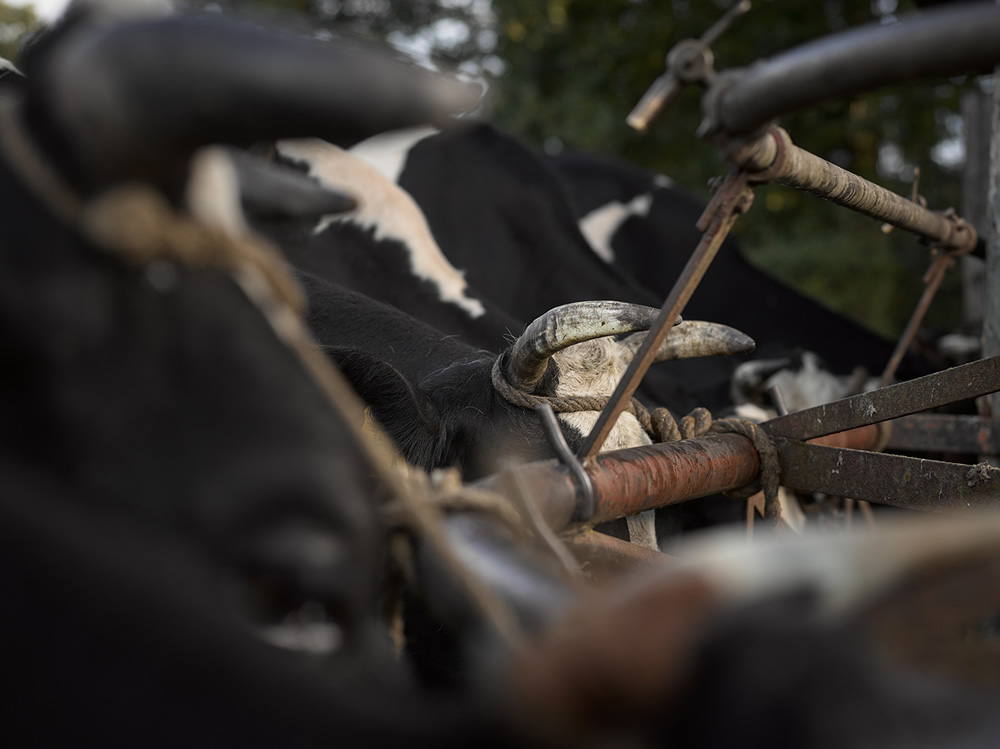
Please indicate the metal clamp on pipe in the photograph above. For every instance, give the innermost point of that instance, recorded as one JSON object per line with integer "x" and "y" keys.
{"x": 550, "y": 426}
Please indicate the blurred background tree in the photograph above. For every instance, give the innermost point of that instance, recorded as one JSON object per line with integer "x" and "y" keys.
{"x": 575, "y": 68}
{"x": 15, "y": 23}
{"x": 563, "y": 74}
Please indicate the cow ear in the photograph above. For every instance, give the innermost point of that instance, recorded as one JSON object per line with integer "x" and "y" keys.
{"x": 406, "y": 413}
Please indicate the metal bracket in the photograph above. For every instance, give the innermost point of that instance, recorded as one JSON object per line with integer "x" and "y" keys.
{"x": 689, "y": 61}
{"x": 550, "y": 426}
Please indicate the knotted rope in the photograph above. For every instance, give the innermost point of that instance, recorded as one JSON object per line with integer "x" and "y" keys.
{"x": 662, "y": 426}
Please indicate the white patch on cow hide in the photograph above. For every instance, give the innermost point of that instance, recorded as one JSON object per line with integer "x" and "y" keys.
{"x": 388, "y": 152}
{"x": 810, "y": 385}
{"x": 601, "y": 224}
{"x": 662, "y": 180}
{"x": 387, "y": 209}
{"x": 960, "y": 348}
{"x": 593, "y": 368}
{"x": 6, "y": 64}
{"x": 212, "y": 193}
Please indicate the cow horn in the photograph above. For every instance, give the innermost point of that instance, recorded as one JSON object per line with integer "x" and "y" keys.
{"x": 695, "y": 338}
{"x": 131, "y": 98}
{"x": 567, "y": 325}
{"x": 274, "y": 191}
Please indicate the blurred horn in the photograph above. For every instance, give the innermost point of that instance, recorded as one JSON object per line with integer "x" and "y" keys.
{"x": 132, "y": 98}
{"x": 567, "y": 325}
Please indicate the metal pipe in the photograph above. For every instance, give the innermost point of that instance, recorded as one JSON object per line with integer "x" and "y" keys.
{"x": 732, "y": 198}
{"x": 938, "y": 43}
{"x": 636, "y": 479}
{"x": 776, "y": 159}
{"x": 625, "y": 482}
{"x": 911, "y": 483}
{"x": 630, "y": 481}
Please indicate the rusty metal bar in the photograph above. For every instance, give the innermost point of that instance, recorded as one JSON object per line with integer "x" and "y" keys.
{"x": 932, "y": 391}
{"x": 911, "y": 483}
{"x": 629, "y": 481}
{"x": 775, "y": 158}
{"x": 932, "y": 280}
{"x": 732, "y": 198}
{"x": 645, "y": 481}
{"x": 945, "y": 433}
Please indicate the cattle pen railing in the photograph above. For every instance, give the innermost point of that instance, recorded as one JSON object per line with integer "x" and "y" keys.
{"x": 838, "y": 65}
{"x": 822, "y": 449}
{"x": 830, "y": 448}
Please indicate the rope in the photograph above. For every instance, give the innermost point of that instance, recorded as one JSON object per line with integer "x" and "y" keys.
{"x": 769, "y": 478}
{"x": 445, "y": 492}
{"x": 662, "y": 426}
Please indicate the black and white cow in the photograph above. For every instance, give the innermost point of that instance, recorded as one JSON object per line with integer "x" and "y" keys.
{"x": 435, "y": 395}
{"x": 569, "y": 351}
{"x": 433, "y": 392}
{"x": 382, "y": 249}
{"x": 502, "y": 216}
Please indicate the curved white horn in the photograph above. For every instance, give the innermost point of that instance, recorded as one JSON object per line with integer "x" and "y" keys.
{"x": 567, "y": 325}
{"x": 695, "y": 338}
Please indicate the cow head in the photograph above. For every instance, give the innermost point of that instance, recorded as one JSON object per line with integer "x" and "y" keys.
{"x": 454, "y": 416}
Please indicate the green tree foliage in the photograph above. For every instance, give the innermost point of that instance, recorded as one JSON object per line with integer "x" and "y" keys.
{"x": 15, "y": 23}
{"x": 575, "y": 68}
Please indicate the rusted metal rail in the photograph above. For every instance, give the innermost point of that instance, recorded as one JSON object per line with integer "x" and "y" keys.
{"x": 626, "y": 482}
{"x": 774, "y": 158}
{"x": 940, "y": 265}
{"x": 636, "y": 479}
{"x": 629, "y": 481}
{"x": 926, "y": 485}
{"x": 945, "y": 433}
